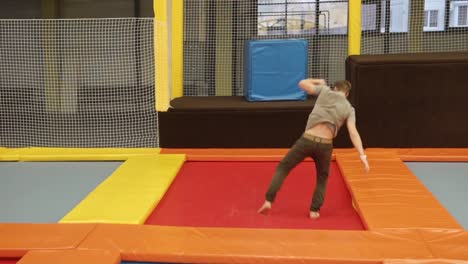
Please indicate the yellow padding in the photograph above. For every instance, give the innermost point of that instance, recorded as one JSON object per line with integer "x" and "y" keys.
{"x": 161, "y": 55}
{"x": 2, "y": 150}
{"x": 177, "y": 41}
{"x": 354, "y": 27}
{"x": 9, "y": 154}
{"x": 131, "y": 193}
{"x": 83, "y": 154}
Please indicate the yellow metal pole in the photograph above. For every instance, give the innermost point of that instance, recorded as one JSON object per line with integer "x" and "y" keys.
{"x": 416, "y": 26}
{"x": 177, "y": 28}
{"x": 52, "y": 80}
{"x": 161, "y": 55}
{"x": 223, "y": 70}
{"x": 354, "y": 27}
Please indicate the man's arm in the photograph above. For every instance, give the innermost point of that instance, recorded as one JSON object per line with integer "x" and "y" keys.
{"x": 312, "y": 86}
{"x": 356, "y": 139}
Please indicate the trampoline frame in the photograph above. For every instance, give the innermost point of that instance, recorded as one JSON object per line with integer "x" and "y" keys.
{"x": 424, "y": 232}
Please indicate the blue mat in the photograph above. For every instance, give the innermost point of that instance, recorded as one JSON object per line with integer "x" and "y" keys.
{"x": 44, "y": 192}
{"x": 273, "y": 69}
{"x": 448, "y": 182}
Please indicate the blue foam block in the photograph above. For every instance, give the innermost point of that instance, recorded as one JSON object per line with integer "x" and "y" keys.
{"x": 273, "y": 69}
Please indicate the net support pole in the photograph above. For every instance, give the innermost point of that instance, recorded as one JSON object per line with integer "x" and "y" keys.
{"x": 161, "y": 55}
{"x": 354, "y": 27}
{"x": 177, "y": 48}
{"x": 416, "y": 25}
{"x": 49, "y": 9}
{"x": 223, "y": 69}
{"x": 51, "y": 80}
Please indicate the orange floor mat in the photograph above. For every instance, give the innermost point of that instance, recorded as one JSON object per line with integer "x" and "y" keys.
{"x": 224, "y": 245}
{"x": 446, "y": 244}
{"x": 440, "y": 154}
{"x": 17, "y": 239}
{"x": 390, "y": 184}
{"x": 71, "y": 257}
{"x": 230, "y": 245}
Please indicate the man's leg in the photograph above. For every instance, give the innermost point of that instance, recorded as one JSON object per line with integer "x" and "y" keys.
{"x": 322, "y": 157}
{"x": 296, "y": 154}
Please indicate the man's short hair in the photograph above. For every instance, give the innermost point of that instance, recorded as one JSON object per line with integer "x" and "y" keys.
{"x": 342, "y": 85}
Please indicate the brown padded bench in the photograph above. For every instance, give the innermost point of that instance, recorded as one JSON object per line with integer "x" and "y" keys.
{"x": 234, "y": 103}
{"x": 411, "y": 100}
{"x": 232, "y": 122}
{"x": 410, "y": 58}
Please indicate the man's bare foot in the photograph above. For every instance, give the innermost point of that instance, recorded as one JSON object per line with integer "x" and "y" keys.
{"x": 314, "y": 215}
{"x": 265, "y": 207}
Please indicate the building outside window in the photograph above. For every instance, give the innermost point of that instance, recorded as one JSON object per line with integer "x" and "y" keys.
{"x": 459, "y": 14}
{"x": 330, "y": 16}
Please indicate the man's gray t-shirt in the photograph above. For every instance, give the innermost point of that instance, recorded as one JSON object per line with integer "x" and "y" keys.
{"x": 331, "y": 108}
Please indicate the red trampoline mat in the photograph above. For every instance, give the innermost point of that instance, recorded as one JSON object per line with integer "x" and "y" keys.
{"x": 8, "y": 260}
{"x": 228, "y": 194}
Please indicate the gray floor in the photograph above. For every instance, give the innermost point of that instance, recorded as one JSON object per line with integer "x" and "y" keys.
{"x": 448, "y": 182}
{"x": 44, "y": 192}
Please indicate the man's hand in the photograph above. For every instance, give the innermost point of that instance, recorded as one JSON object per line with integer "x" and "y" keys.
{"x": 365, "y": 162}
{"x": 312, "y": 86}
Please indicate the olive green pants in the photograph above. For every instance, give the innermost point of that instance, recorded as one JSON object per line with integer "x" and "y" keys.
{"x": 305, "y": 146}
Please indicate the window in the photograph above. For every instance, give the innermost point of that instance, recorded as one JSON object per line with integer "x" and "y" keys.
{"x": 431, "y": 17}
{"x": 463, "y": 15}
{"x": 369, "y": 16}
{"x": 281, "y": 17}
{"x": 434, "y": 12}
{"x": 334, "y": 17}
{"x": 459, "y": 13}
{"x": 393, "y": 12}
{"x": 399, "y": 15}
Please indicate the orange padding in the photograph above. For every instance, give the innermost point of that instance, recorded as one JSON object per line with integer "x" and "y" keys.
{"x": 272, "y": 154}
{"x": 424, "y": 261}
{"x": 224, "y": 245}
{"x": 17, "y": 239}
{"x": 227, "y": 245}
{"x": 275, "y": 154}
{"x": 71, "y": 257}
{"x": 390, "y": 195}
{"x": 435, "y": 154}
{"x": 447, "y": 244}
